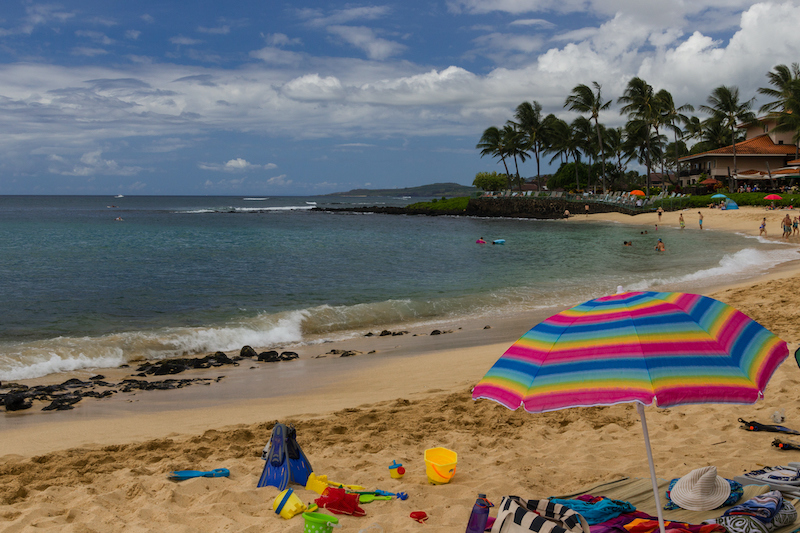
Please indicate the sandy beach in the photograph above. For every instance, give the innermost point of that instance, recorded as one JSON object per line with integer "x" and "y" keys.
{"x": 103, "y": 466}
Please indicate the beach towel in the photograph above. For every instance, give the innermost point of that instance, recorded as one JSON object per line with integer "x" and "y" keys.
{"x": 596, "y": 510}
{"x": 763, "y": 507}
{"x": 750, "y": 516}
{"x": 516, "y": 515}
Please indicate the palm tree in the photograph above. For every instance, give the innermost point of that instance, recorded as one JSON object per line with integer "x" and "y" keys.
{"x": 786, "y": 106}
{"x": 642, "y": 142}
{"x": 493, "y": 143}
{"x": 641, "y": 108}
{"x": 529, "y": 121}
{"x": 514, "y": 142}
{"x": 614, "y": 139}
{"x": 584, "y": 100}
{"x": 671, "y": 117}
{"x": 584, "y": 137}
{"x": 724, "y": 104}
{"x": 563, "y": 143}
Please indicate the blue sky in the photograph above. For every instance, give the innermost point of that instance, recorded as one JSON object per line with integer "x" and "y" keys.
{"x": 304, "y": 98}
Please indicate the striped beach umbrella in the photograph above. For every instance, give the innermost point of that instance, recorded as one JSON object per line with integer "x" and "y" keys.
{"x": 666, "y": 348}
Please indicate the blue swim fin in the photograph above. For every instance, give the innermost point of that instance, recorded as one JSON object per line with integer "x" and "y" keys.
{"x": 299, "y": 465}
{"x": 276, "y": 469}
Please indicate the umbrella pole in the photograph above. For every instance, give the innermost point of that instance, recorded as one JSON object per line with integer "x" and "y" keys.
{"x": 640, "y": 408}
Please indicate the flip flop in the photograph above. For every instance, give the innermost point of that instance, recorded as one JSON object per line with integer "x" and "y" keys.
{"x": 181, "y": 475}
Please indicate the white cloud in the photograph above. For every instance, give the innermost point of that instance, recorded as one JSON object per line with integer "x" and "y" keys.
{"x": 365, "y": 39}
{"x": 181, "y": 40}
{"x": 276, "y": 56}
{"x": 343, "y": 16}
{"x": 88, "y": 52}
{"x": 221, "y": 30}
{"x": 91, "y": 164}
{"x": 281, "y": 39}
{"x": 314, "y": 87}
{"x": 132, "y": 34}
{"x": 541, "y": 23}
{"x": 279, "y": 181}
{"x": 235, "y": 165}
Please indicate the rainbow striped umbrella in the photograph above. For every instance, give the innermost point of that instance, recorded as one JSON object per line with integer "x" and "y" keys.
{"x": 670, "y": 348}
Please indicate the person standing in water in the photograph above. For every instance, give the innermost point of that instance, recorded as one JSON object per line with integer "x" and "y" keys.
{"x": 681, "y": 221}
{"x": 762, "y": 229}
{"x": 701, "y": 219}
{"x": 660, "y": 246}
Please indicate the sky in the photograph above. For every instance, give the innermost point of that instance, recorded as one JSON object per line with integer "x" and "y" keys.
{"x": 305, "y": 98}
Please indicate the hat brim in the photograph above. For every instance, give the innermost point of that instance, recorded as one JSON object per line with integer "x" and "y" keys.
{"x": 682, "y": 495}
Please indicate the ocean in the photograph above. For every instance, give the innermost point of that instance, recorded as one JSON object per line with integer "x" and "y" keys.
{"x": 180, "y": 276}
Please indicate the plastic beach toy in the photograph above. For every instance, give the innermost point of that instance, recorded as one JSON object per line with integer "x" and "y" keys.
{"x": 181, "y": 475}
{"x": 287, "y": 504}
{"x": 396, "y": 470}
{"x": 319, "y": 483}
{"x": 320, "y": 523}
{"x": 440, "y": 465}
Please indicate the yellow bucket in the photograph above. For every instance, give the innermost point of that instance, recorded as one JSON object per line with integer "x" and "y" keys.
{"x": 287, "y": 504}
{"x": 440, "y": 465}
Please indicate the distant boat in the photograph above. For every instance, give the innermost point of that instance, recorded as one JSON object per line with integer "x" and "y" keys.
{"x": 255, "y": 199}
{"x": 119, "y": 196}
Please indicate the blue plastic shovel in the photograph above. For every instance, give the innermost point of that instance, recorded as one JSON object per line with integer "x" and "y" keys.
{"x": 181, "y": 475}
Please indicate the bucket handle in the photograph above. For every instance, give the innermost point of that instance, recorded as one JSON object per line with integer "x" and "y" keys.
{"x": 331, "y": 524}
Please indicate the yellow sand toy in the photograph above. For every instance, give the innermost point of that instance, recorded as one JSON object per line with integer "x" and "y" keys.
{"x": 287, "y": 504}
{"x": 440, "y": 465}
{"x": 319, "y": 483}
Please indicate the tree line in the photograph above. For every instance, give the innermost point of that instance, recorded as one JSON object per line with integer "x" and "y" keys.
{"x": 651, "y": 115}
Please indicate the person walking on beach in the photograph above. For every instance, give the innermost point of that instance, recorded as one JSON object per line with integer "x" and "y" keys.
{"x": 762, "y": 229}
{"x": 795, "y": 223}
{"x": 681, "y": 221}
{"x": 660, "y": 246}
{"x": 660, "y": 212}
{"x": 787, "y": 226}
{"x": 701, "y": 219}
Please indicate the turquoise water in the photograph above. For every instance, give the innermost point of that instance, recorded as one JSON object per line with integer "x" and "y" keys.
{"x": 191, "y": 275}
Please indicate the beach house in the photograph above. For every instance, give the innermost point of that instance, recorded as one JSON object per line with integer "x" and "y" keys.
{"x": 764, "y": 154}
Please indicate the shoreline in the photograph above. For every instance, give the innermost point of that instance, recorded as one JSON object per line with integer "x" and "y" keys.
{"x": 255, "y": 390}
{"x": 102, "y": 466}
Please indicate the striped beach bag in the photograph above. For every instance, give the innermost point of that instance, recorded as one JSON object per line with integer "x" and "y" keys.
{"x": 516, "y": 515}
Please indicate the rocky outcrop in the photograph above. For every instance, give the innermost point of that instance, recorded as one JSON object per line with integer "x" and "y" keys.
{"x": 514, "y": 207}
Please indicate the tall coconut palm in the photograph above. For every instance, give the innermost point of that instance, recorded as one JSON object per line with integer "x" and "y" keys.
{"x": 785, "y": 107}
{"x": 584, "y": 134}
{"x": 515, "y": 146}
{"x": 493, "y": 143}
{"x": 529, "y": 120}
{"x": 725, "y": 105}
{"x": 564, "y": 143}
{"x": 672, "y": 117}
{"x": 642, "y": 108}
{"x": 614, "y": 140}
{"x": 584, "y": 100}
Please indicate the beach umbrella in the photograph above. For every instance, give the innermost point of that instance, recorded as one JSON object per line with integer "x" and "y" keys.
{"x": 718, "y": 195}
{"x": 667, "y": 348}
{"x": 772, "y": 197}
{"x": 637, "y": 192}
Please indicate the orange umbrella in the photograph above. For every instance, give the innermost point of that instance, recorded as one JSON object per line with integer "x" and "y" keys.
{"x": 637, "y": 192}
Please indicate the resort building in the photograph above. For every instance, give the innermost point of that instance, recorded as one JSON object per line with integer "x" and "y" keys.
{"x": 763, "y": 155}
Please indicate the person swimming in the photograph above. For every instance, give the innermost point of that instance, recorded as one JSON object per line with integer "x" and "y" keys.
{"x": 480, "y": 241}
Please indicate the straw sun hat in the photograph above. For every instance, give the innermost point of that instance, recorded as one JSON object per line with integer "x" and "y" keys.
{"x": 700, "y": 490}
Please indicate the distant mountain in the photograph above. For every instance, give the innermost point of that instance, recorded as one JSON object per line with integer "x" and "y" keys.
{"x": 433, "y": 190}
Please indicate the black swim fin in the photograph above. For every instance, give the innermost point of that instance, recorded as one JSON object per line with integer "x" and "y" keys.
{"x": 276, "y": 470}
{"x": 299, "y": 465}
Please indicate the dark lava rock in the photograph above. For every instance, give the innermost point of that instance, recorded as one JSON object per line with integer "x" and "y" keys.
{"x": 63, "y": 402}
{"x": 487, "y": 327}
{"x": 436, "y": 332}
{"x": 98, "y": 377}
{"x": 17, "y": 402}
{"x": 385, "y": 332}
{"x": 288, "y": 356}
{"x": 370, "y": 334}
{"x": 75, "y": 383}
{"x": 248, "y": 351}
{"x": 269, "y": 357}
